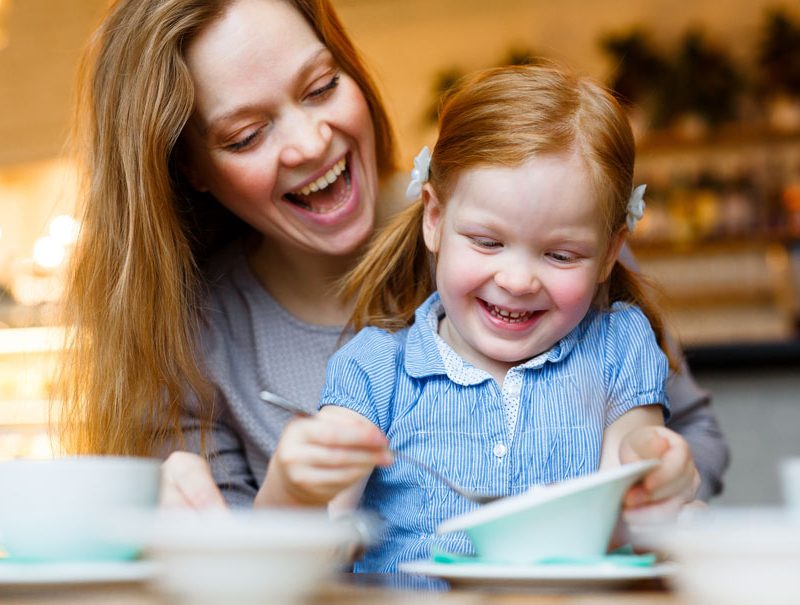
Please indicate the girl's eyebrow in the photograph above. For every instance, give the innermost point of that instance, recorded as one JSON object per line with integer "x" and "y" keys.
{"x": 307, "y": 66}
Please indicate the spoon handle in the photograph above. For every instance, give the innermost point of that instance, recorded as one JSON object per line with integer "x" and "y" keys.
{"x": 284, "y": 404}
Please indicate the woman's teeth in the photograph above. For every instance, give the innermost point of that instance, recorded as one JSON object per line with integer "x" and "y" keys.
{"x": 510, "y": 316}
{"x": 326, "y": 179}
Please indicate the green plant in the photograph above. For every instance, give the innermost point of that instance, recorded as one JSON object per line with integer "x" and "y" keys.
{"x": 703, "y": 80}
{"x": 779, "y": 55}
{"x": 638, "y": 67}
{"x": 443, "y": 83}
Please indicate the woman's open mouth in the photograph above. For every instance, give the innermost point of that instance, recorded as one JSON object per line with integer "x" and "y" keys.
{"x": 326, "y": 194}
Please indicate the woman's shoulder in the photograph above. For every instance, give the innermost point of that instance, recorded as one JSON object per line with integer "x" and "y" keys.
{"x": 372, "y": 343}
{"x": 230, "y": 300}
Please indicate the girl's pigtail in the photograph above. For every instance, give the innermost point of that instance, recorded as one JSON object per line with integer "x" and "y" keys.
{"x": 625, "y": 285}
{"x": 394, "y": 276}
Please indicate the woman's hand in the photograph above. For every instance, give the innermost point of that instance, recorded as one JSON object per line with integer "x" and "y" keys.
{"x": 665, "y": 490}
{"x": 321, "y": 456}
{"x": 187, "y": 482}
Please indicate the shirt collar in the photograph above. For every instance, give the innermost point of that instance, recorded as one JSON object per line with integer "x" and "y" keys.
{"x": 425, "y": 350}
{"x": 422, "y": 356}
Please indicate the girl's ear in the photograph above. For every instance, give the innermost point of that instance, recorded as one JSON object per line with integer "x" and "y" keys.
{"x": 614, "y": 248}
{"x": 432, "y": 214}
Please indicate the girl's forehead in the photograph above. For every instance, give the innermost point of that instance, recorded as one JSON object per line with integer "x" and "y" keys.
{"x": 540, "y": 175}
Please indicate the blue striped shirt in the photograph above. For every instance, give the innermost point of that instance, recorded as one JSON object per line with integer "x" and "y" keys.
{"x": 457, "y": 423}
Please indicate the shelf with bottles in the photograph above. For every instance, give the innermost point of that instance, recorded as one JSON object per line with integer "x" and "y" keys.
{"x": 723, "y": 192}
{"x": 721, "y": 234}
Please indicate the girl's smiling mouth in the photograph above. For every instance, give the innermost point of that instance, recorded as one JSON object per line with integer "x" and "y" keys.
{"x": 326, "y": 193}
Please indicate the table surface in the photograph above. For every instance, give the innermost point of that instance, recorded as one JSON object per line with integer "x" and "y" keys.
{"x": 353, "y": 590}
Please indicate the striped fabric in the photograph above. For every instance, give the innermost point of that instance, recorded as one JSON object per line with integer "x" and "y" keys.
{"x": 607, "y": 365}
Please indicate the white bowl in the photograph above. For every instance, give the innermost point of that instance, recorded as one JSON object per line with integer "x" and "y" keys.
{"x": 65, "y": 509}
{"x": 261, "y": 556}
{"x": 790, "y": 483}
{"x": 573, "y": 519}
{"x": 735, "y": 556}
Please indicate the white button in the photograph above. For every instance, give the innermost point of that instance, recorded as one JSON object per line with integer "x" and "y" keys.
{"x": 499, "y": 450}
{"x": 513, "y": 389}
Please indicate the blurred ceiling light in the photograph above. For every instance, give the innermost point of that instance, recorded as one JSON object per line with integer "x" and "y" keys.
{"x": 64, "y": 229}
{"x": 48, "y": 252}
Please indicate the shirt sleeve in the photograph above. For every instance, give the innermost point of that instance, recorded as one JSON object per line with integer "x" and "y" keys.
{"x": 636, "y": 368}
{"x": 362, "y": 375}
{"x": 223, "y": 449}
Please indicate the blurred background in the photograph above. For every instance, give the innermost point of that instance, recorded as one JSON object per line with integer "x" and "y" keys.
{"x": 713, "y": 89}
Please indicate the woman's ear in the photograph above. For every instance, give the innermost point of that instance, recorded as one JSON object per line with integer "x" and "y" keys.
{"x": 432, "y": 214}
{"x": 192, "y": 177}
{"x": 614, "y": 248}
{"x": 187, "y": 167}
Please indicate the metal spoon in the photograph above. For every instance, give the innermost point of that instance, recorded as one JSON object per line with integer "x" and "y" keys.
{"x": 294, "y": 408}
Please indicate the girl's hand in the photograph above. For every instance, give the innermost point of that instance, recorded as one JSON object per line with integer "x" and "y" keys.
{"x": 665, "y": 490}
{"x": 187, "y": 482}
{"x": 321, "y": 456}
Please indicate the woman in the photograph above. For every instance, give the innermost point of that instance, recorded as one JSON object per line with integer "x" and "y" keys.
{"x": 234, "y": 153}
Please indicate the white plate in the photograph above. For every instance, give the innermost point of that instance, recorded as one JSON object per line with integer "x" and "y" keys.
{"x": 99, "y": 572}
{"x": 538, "y": 575}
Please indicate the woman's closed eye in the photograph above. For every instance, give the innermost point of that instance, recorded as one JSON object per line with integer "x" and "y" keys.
{"x": 245, "y": 141}
{"x": 250, "y": 137}
{"x": 324, "y": 91}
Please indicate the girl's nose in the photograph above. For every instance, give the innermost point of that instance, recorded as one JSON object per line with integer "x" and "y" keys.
{"x": 517, "y": 279}
{"x": 307, "y": 137}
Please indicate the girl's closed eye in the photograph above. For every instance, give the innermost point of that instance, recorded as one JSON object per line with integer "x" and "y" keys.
{"x": 563, "y": 257}
{"x": 487, "y": 243}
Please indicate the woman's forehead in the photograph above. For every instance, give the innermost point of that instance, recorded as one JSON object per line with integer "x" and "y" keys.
{"x": 255, "y": 46}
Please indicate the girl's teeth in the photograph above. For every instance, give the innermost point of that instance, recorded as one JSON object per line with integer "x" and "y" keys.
{"x": 513, "y": 316}
{"x": 325, "y": 180}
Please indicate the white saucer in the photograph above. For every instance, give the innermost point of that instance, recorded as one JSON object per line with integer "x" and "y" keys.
{"x": 536, "y": 575}
{"x": 90, "y": 572}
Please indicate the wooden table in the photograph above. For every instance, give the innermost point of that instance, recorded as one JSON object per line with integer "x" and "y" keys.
{"x": 351, "y": 590}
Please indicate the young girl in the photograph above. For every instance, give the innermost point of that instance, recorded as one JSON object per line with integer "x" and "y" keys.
{"x": 535, "y": 360}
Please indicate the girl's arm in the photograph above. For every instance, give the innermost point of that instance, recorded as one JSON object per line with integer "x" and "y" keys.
{"x": 317, "y": 458}
{"x": 639, "y": 434}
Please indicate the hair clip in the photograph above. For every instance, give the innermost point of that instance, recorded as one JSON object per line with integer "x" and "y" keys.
{"x": 419, "y": 174}
{"x": 636, "y": 207}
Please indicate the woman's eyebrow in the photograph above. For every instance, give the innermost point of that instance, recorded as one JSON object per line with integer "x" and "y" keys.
{"x": 305, "y": 68}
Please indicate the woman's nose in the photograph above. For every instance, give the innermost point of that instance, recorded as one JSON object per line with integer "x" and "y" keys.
{"x": 518, "y": 279}
{"x": 306, "y": 137}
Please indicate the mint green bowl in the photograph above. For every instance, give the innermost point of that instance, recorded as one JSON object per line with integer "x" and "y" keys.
{"x": 571, "y": 521}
